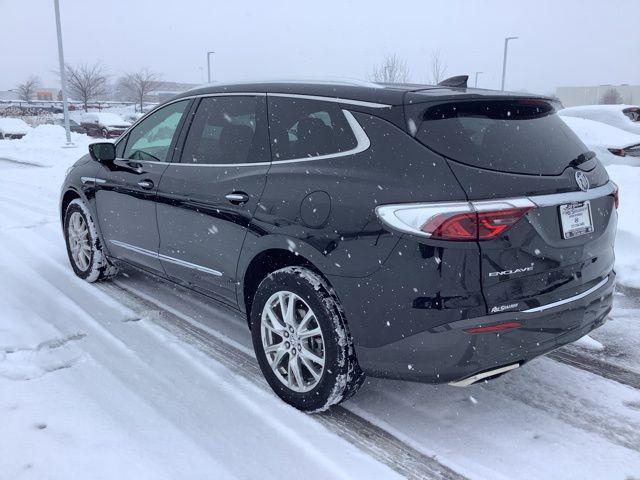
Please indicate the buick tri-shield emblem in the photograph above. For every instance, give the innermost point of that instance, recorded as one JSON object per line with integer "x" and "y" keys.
{"x": 582, "y": 181}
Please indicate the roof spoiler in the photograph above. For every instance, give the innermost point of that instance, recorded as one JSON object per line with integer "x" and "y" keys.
{"x": 459, "y": 81}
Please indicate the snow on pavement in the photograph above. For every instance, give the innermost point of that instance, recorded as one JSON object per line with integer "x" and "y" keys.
{"x": 87, "y": 393}
{"x": 88, "y": 389}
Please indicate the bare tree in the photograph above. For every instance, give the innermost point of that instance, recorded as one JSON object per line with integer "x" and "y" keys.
{"x": 86, "y": 82}
{"x": 27, "y": 90}
{"x": 611, "y": 97}
{"x": 137, "y": 85}
{"x": 392, "y": 70}
{"x": 438, "y": 67}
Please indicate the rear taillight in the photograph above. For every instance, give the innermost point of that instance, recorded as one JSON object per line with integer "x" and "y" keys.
{"x": 474, "y": 225}
{"x": 492, "y": 224}
{"x": 616, "y": 195}
{"x": 463, "y": 221}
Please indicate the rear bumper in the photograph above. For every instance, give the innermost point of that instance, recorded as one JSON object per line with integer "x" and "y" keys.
{"x": 447, "y": 353}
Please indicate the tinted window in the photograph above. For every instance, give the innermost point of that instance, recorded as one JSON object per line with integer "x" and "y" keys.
{"x": 307, "y": 128}
{"x": 228, "y": 130}
{"x": 151, "y": 138}
{"x": 519, "y": 136}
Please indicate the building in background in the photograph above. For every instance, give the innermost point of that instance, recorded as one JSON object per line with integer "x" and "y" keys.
{"x": 593, "y": 95}
{"x": 168, "y": 90}
{"x": 48, "y": 94}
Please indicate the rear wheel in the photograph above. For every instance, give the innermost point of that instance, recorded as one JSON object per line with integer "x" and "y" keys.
{"x": 302, "y": 341}
{"x": 83, "y": 244}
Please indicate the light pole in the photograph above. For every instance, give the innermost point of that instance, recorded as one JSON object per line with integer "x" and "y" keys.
{"x": 209, "y": 66}
{"x": 476, "y": 82}
{"x": 63, "y": 76}
{"x": 504, "y": 59}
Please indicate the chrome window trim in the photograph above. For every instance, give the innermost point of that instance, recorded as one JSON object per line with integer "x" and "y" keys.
{"x": 166, "y": 258}
{"x": 564, "y": 301}
{"x": 362, "y": 143}
{"x": 346, "y": 101}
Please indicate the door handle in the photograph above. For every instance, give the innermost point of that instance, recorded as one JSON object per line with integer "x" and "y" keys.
{"x": 237, "y": 198}
{"x": 146, "y": 184}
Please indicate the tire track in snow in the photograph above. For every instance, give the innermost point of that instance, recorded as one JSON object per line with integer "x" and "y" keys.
{"x": 588, "y": 363}
{"x": 373, "y": 440}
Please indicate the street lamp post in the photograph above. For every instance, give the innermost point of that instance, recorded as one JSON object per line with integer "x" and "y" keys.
{"x": 504, "y": 59}
{"x": 209, "y": 66}
{"x": 476, "y": 82}
{"x": 63, "y": 76}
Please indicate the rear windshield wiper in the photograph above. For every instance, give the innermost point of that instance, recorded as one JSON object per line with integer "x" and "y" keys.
{"x": 582, "y": 158}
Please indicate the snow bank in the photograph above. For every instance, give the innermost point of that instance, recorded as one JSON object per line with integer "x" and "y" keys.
{"x": 628, "y": 236}
{"x": 609, "y": 114}
{"x": 599, "y": 137}
{"x": 42, "y": 146}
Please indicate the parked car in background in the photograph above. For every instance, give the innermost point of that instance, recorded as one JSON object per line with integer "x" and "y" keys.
{"x": 13, "y": 128}
{"x": 625, "y": 117}
{"x": 73, "y": 125}
{"x": 611, "y": 144}
{"x": 103, "y": 124}
{"x": 423, "y": 233}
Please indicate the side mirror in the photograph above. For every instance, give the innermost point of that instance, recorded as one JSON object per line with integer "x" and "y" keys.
{"x": 103, "y": 152}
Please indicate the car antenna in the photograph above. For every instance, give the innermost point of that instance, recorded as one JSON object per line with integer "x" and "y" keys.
{"x": 459, "y": 81}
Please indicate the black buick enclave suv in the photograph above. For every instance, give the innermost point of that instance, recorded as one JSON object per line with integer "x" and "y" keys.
{"x": 427, "y": 233}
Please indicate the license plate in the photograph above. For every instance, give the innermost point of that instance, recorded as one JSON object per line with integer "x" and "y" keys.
{"x": 576, "y": 219}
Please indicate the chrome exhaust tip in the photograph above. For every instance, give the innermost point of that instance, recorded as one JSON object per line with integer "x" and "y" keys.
{"x": 482, "y": 375}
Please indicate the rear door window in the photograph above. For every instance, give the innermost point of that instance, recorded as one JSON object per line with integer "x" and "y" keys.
{"x": 228, "y": 130}
{"x": 517, "y": 136}
{"x": 301, "y": 128}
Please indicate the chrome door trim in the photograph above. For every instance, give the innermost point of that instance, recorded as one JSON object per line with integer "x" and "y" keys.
{"x": 166, "y": 258}
{"x": 564, "y": 301}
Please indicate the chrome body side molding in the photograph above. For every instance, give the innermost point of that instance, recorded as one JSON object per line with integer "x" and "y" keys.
{"x": 166, "y": 258}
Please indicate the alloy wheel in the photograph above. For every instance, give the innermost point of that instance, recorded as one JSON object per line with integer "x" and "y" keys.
{"x": 292, "y": 341}
{"x": 79, "y": 241}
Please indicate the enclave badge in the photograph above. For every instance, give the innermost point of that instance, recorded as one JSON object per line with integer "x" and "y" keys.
{"x": 582, "y": 181}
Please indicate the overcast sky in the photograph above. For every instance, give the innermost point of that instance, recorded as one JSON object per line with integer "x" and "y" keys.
{"x": 562, "y": 42}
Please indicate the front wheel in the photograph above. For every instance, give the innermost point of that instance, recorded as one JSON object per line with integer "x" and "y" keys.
{"x": 302, "y": 342}
{"x": 83, "y": 244}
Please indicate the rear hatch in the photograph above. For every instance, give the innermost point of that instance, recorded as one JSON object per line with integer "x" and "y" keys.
{"x": 518, "y": 149}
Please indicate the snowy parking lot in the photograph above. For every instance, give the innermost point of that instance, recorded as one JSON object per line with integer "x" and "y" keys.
{"x": 137, "y": 379}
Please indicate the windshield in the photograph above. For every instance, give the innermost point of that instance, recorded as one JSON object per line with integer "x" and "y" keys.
{"x": 519, "y": 136}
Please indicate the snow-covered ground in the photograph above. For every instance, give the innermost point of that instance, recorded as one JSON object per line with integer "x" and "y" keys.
{"x": 92, "y": 385}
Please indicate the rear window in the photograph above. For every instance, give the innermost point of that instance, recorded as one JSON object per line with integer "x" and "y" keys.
{"x": 517, "y": 136}
{"x": 307, "y": 128}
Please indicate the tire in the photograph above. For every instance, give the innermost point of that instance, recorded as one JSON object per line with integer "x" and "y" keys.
{"x": 105, "y": 133}
{"x": 80, "y": 235}
{"x": 325, "y": 335}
